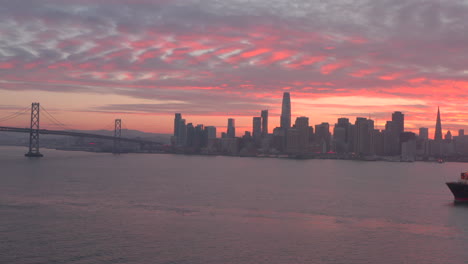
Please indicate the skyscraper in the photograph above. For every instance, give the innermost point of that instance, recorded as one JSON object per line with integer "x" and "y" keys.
{"x": 302, "y": 127}
{"x": 391, "y": 139}
{"x": 398, "y": 119}
{"x": 181, "y": 133}
{"x": 438, "y": 128}
{"x": 286, "y": 111}
{"x": 323, "y": 136}
{"x": 190, "y": 135}
{"x": 341, "y": 135}
{"x": 231, "y": 129}
{"x": 363, "y": 141}
{"x": 177, "y": 119}
{"x": 264, "y": 122}
{"x": 257, "y": 127}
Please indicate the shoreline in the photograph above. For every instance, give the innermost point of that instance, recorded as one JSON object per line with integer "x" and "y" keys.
{"x": 331, "y": 156}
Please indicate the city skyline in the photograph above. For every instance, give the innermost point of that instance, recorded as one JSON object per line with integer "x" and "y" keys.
{"x": 347, "y": 140}
{"x": 396, "y": 124}
{"x": 142, "y": 61}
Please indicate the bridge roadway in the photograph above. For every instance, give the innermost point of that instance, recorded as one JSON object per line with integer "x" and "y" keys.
{"x": 76, "y": 134}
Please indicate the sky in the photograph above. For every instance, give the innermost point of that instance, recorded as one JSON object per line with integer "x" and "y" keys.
{"x": 90, "y": 61}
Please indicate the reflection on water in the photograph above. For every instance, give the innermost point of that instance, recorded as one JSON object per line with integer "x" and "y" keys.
{"x": 75, "y": 207}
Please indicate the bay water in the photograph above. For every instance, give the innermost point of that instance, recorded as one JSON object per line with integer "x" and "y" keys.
{"x": 80, "y": 207}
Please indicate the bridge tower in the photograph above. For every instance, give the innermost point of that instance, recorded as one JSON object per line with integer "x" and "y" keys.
{"x": 117, "y": 135}
{"x": 34, "y": 132}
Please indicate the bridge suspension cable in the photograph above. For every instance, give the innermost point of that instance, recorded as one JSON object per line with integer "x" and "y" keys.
{"x": 54, "y": 120}
{"x": 110, "y": 126}
{"x": 14, "y": 115}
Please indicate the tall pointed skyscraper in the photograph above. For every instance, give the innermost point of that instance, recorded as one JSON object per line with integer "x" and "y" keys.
{"x": 286, "y": 111}
{"x": 438, "y": 128}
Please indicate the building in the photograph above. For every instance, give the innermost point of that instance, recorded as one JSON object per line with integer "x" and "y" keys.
{"x": 438, "y": 128}
{"x": 190, "y": 135}
{"x": 448, "y": 136}
{"x": 398, "y": 119}
{"x": 264, "y": 116}
{"x": 422, "y": 142}
{"x": 231, "y": 128}
{"x": 363, "y": 136}
{"x": 341, "y": 135}
{"x": 436, "y": 146}
{"x": 210, "y": 132}
{"x": 257, "y": 128}
{"x": 229, "y": 146}
{"x": 286, "y": 111}
{"x": 178, "y": 117}
{"x": 200, "y": 139}
{"x": 408, "y": 150}
{"x": 461, "y": 144}
{"x": 424, "y": 133}
{"x": 302, "y": 127}
{"x": 378, "y": 138}
{"x": 391, "y": 139}
{"x": 279, "y": 139}
{"x": 292, "y": 141}
{"x": 322, "y": 137}
{"x": 181, "y": 133}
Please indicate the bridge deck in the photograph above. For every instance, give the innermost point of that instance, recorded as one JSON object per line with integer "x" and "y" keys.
{"x": 77, "y": 134}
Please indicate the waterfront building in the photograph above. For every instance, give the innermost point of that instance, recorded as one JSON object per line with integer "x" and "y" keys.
{"x": 461, "y": 144}
{"x": 363, "y": 137}
{"x": 408, "y": 150}
{"x": 229, "y": 146}
{"x": 378, "y": 137}
{"x": 302, "y": 127}
{"x": 391, "y": 139}
{"x": 292, "y": 141}
{"x": 341, "y": 135}
{"x": 279, "y": 139}
{"x": 322, "y": 137}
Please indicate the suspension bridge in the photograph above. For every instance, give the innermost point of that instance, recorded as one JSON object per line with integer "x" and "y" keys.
{"x": 34, "y": 131}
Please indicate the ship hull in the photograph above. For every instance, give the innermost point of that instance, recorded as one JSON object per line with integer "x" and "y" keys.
{"x": 459, "y": 190}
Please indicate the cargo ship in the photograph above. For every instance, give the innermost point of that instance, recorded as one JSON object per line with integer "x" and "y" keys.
{"x": 460, "y": 188}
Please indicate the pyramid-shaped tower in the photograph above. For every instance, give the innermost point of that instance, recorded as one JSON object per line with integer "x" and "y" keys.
{"x": 438, "y": 128}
